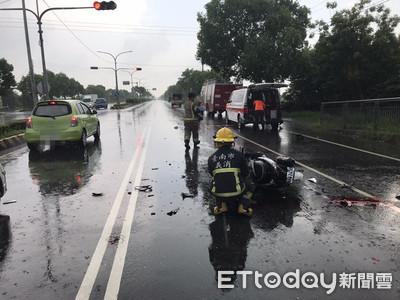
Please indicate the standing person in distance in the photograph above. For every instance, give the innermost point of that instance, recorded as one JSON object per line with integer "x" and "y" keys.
{"x": 259, "y": 109}
{"x": 190, "y": 120}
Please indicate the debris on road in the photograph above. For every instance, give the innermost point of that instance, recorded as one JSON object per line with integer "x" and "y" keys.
{"x": 186, "y": 195}
{"x": 173, "y": 212}
{"x": 113, "y": 239}
{"x": 9, "y": 202}
{"x": 97, "y": 194}
{"x": 349, "y": 202}
{"x": 373, "y": 258}
{"x": 144, "y": 188}
{"x": 312, "y": 180}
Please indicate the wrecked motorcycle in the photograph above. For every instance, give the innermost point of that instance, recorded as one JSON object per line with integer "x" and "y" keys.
{"x": 267, "y": 173}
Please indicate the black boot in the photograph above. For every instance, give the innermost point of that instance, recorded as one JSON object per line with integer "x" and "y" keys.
{"x": 187, "y": 145}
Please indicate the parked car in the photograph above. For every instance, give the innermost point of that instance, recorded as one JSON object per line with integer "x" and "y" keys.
{"x": 3, "y": 181}
{"x": 61, "y": 121}
{"x": 100, "y": 103}
{"x": 239, "y": 108}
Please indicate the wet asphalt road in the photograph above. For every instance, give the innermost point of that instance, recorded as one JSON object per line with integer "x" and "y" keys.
{"x": 61, "y": 241}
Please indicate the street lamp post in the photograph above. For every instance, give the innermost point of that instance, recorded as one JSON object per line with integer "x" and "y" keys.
{"x": 115, "y": 70}
{"x": 131, "y": 73}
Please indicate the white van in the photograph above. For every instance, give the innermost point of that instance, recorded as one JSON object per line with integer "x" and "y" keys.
{"x": 90, "y": 99}
{"x": 240, "y": 109}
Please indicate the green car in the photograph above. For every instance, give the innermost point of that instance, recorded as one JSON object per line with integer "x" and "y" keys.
{"x": 61, "y": 121}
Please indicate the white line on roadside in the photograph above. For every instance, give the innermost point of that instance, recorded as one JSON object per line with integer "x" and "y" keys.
{"x": 119, "y": 259}
{"x": 345, "y": 146}
{"x": 94, "y": 266}
{"x": 365, "y": 194}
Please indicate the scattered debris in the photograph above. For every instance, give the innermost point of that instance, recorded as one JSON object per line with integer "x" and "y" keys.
{"x": 373, "y": 258}
{"x": 144, "y": 188}
{"x": 173, "y": 212}
{"x": 113, "y": 239}
{"x": 349, "y": 202}
{"x": 298, "y": 176}
{"x": 97, "y": 194}
{"x": 312, "y": 180}
{"x": 185, "y": 195}
{"x": 9, "y": 202}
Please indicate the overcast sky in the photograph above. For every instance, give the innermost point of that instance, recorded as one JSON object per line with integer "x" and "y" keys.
{"x": 160, "y": 33}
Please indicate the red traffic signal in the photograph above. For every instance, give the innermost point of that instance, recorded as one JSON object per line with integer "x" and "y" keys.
{"x": 104, "y": 5}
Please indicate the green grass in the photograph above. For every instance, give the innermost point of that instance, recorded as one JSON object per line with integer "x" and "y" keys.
{"x": 309, "y": 116}
{"x": 387, "y": 131}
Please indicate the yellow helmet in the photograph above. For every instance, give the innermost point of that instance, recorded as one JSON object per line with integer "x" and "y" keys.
{"x": 224, "y": 135}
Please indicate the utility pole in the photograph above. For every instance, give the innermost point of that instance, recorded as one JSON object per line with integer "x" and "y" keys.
{"x": 28, "y": 49}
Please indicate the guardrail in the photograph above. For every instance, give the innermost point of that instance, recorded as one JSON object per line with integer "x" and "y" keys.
{"x": 362, "y": 114}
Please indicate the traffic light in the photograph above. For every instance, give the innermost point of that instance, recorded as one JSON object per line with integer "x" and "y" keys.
{"x": 104, "y": 5}
{"x": 137, "y": 69}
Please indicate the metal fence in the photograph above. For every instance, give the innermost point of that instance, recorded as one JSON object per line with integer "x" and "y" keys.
{"x": 362, "y": 114}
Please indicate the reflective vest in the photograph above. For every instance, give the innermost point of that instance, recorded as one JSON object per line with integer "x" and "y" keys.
{"x": 228, "y": 168}
{"x": 258, "y": 105}
{"x": 190, "y": 111}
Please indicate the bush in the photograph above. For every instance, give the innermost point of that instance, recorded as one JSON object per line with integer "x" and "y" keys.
{"x": 12, "y": 128}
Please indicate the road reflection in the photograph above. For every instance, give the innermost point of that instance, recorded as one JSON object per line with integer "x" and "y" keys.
{"x": 59, "y": 173}
{"x": 275, "y": 207}
{"x": 231, "y": 235}
{"x": 191, "y": 171}
{"x": 64, "y": 171}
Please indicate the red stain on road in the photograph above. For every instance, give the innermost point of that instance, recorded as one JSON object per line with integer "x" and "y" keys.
{"x": 350, "y": 201}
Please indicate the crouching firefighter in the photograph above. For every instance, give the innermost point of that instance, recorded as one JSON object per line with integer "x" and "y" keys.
{"x": 229, "y": 170}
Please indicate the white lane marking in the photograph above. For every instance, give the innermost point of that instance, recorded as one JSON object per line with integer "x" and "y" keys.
{"x": 94, "y": 266}
{"x": 365, "y": 194}
{"x": 119, "y": 259}
{"x": 345, "y": 146}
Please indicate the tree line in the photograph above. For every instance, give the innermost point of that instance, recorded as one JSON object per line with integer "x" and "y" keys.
{"x": 61, "y": 87}
{"x": 356, "y": 55}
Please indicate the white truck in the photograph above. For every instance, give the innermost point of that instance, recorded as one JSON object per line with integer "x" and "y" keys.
{"x": 90, "y": 99}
